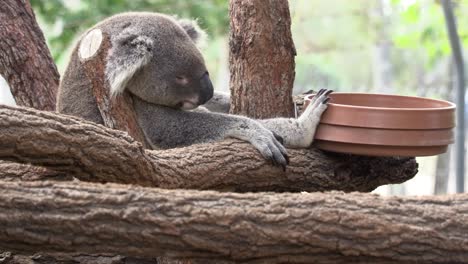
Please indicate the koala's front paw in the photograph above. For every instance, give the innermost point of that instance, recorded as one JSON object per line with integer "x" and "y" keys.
{"x": 318, "y": 105}
{"x": 271, "y": 148}
{"x": 311, "y": 116}
{"x": 309, "y": 120}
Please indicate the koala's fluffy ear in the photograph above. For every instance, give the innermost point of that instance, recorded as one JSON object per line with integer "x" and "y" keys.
{"x": 194, "y": 31}
{"x": 129, "y": 53}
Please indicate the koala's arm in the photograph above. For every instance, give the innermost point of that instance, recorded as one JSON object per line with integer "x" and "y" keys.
{"x": 220, "y": 103}
{"x": 300, "y": 132}
{"x": 169, "y": 128}
{"x": 296, "y": 133}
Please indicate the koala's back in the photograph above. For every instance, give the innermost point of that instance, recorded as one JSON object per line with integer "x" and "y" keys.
{"x": 75, "y": 96}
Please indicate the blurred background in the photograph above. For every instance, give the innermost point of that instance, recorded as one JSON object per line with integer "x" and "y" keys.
{"x": 386, "y": 46}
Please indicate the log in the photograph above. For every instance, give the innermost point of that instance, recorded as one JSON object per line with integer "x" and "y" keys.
{"x": 91, "y": 152}
{"x": 25, "y": 60}
{"x": 335, "y": 227}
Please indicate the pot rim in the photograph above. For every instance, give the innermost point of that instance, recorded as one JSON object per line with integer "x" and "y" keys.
{"x": 450, "y": 105}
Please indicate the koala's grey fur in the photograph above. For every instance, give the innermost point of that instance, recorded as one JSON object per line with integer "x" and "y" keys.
{"x": 219, "y": 103}
{"x": 155, "y": 58}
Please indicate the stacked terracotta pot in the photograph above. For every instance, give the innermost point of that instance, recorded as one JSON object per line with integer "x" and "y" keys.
{"x": 386, "y": 125}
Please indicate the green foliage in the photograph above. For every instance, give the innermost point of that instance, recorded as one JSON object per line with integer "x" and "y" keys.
{"x": 63, "y": 20}
{"x": 332, "y": 40}
{"x": 336, "y": 40}
{"x": 423, "y": 26}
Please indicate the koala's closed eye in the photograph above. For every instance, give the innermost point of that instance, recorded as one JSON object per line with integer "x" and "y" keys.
{"x": 182, "y": 80}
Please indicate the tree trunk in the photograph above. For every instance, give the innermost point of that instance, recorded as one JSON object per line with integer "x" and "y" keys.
{"x": 382, "y": 65}
{"x": 92, "y": 152}
{"x": 261, "y": 58}
{"x": 442, "y": 173}
{"x": 256, "y": 228}
{"x": 25, "y": 60}
{"x": 455, "y": 44}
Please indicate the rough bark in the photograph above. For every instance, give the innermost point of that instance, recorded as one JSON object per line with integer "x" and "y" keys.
{"x": 93, "y": 152}
{"x": 58, "y": 258}
{"x": 25, "y": 60}
{"x": 117, "y": 113}
{"x": 12, "y": 171}
{"x": 261, "y": 58}
{"x": 258, "y": 228}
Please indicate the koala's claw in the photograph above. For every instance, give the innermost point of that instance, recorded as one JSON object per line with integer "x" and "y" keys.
{"x": 272, "y": 150}
{"x": 279, "y": 138}
{"x": 280, "y": 158}
{"x": 320, "y": 92}
{"x": 286, "y": 156}
{"x": 328, "y": 92}
{"x": 321, "y": 97}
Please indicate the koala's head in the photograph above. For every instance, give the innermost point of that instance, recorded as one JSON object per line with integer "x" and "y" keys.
{"x": 155, "y": 57}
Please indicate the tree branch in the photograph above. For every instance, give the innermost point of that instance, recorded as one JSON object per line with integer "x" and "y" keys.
{"x": 12, "y": 171}
{"x": 95, "y": 153}
{"x": 25, "y": 60}
{"x": 259, "y": 228}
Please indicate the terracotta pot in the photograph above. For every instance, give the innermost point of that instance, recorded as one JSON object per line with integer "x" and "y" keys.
{"x": 385, "y": 125}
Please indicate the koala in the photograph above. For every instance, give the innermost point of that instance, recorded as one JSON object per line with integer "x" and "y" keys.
{"x": 155, "y": 58}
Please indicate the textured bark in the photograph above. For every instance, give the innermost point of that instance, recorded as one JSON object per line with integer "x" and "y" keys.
{"x": 11, "y": 171}
{"x": 261, "y": 58}
{"x": 58, "y": 258}
{"x": 259, "y": 228}
{"x": 25, "y": 60}
{"x": 93, "y": 152}
{"x": 117, "y": 113}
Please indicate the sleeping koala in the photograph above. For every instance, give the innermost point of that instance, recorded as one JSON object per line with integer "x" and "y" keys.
{"x": 155, "y": 58}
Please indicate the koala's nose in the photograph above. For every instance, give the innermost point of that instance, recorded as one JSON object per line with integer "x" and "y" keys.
{"x": 206, "y": 88}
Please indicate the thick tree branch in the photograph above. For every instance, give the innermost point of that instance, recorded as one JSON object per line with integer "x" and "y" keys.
{"x": 264, "y": 227}
{"x": 25, "y": 60}
{"x": 93, "y": 152}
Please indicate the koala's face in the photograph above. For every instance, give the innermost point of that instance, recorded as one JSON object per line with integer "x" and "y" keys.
{"x": 170, "y": 69}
